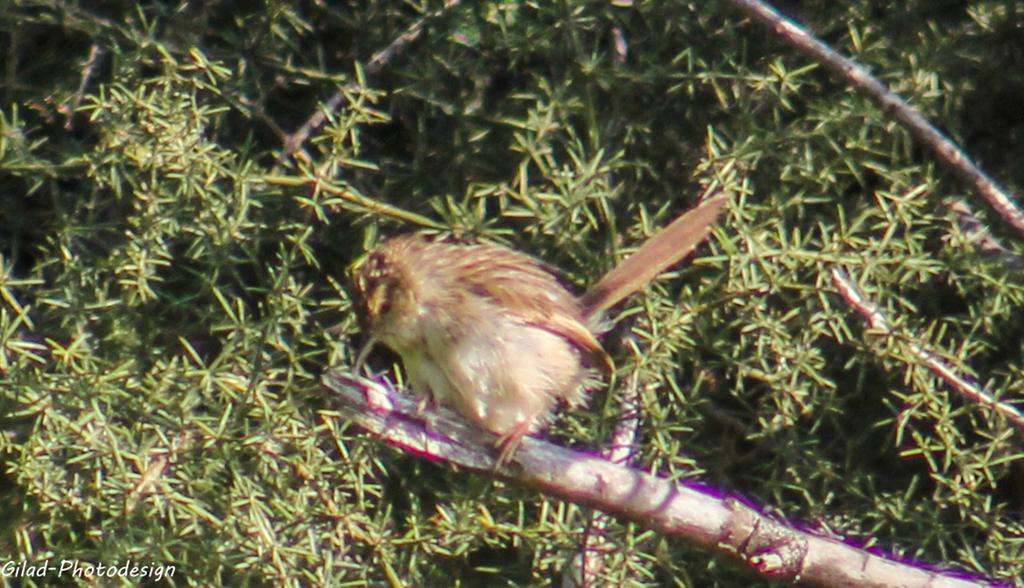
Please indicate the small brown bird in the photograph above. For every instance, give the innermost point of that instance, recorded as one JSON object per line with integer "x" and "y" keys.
{"x": 490, "y": 331}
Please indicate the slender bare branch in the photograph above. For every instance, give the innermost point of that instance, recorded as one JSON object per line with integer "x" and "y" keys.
{"x": 381, "y": 59}
{"x": 981, "y": 237}
{"x": 891, "y": 103}
{"x": 585, "y": 567}
{"x": 960, "y": 384}
{"x": 719, "y": 523}
{"x": 95, "y": 52}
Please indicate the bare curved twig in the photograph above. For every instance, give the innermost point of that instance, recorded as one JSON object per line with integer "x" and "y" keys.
{"x": 380, "y": 59}
{"x": 960, "y": 384}
{"x": 584, "y": 568}
{"x": 88, "y": 68}
{"x": 891, "y": 103}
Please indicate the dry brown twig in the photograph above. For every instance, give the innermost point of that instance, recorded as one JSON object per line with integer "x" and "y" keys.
{"x": 891, "y": 103}
{"x": 724, "y": 525}
{"x": 293, "y": 143}
{"x": 960, "y": 384}
{"x": 88, "y": 68}
{"x": 585, "y": 567}
{"x": 980, "y": 237}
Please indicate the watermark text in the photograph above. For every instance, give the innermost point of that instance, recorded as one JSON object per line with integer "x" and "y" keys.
{"x": 73, "y": 568}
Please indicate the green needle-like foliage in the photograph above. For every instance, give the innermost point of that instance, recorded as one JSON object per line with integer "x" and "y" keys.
{"x": 168, "y": 282}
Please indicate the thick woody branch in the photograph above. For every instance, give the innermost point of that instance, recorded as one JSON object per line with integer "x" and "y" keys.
{"x": 721, "y": 524}
{"x": 892, "y": 104}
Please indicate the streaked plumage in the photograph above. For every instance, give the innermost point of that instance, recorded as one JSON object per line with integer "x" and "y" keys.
{"x": 490, "y": 331}
{"x": 480, "y": 327}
